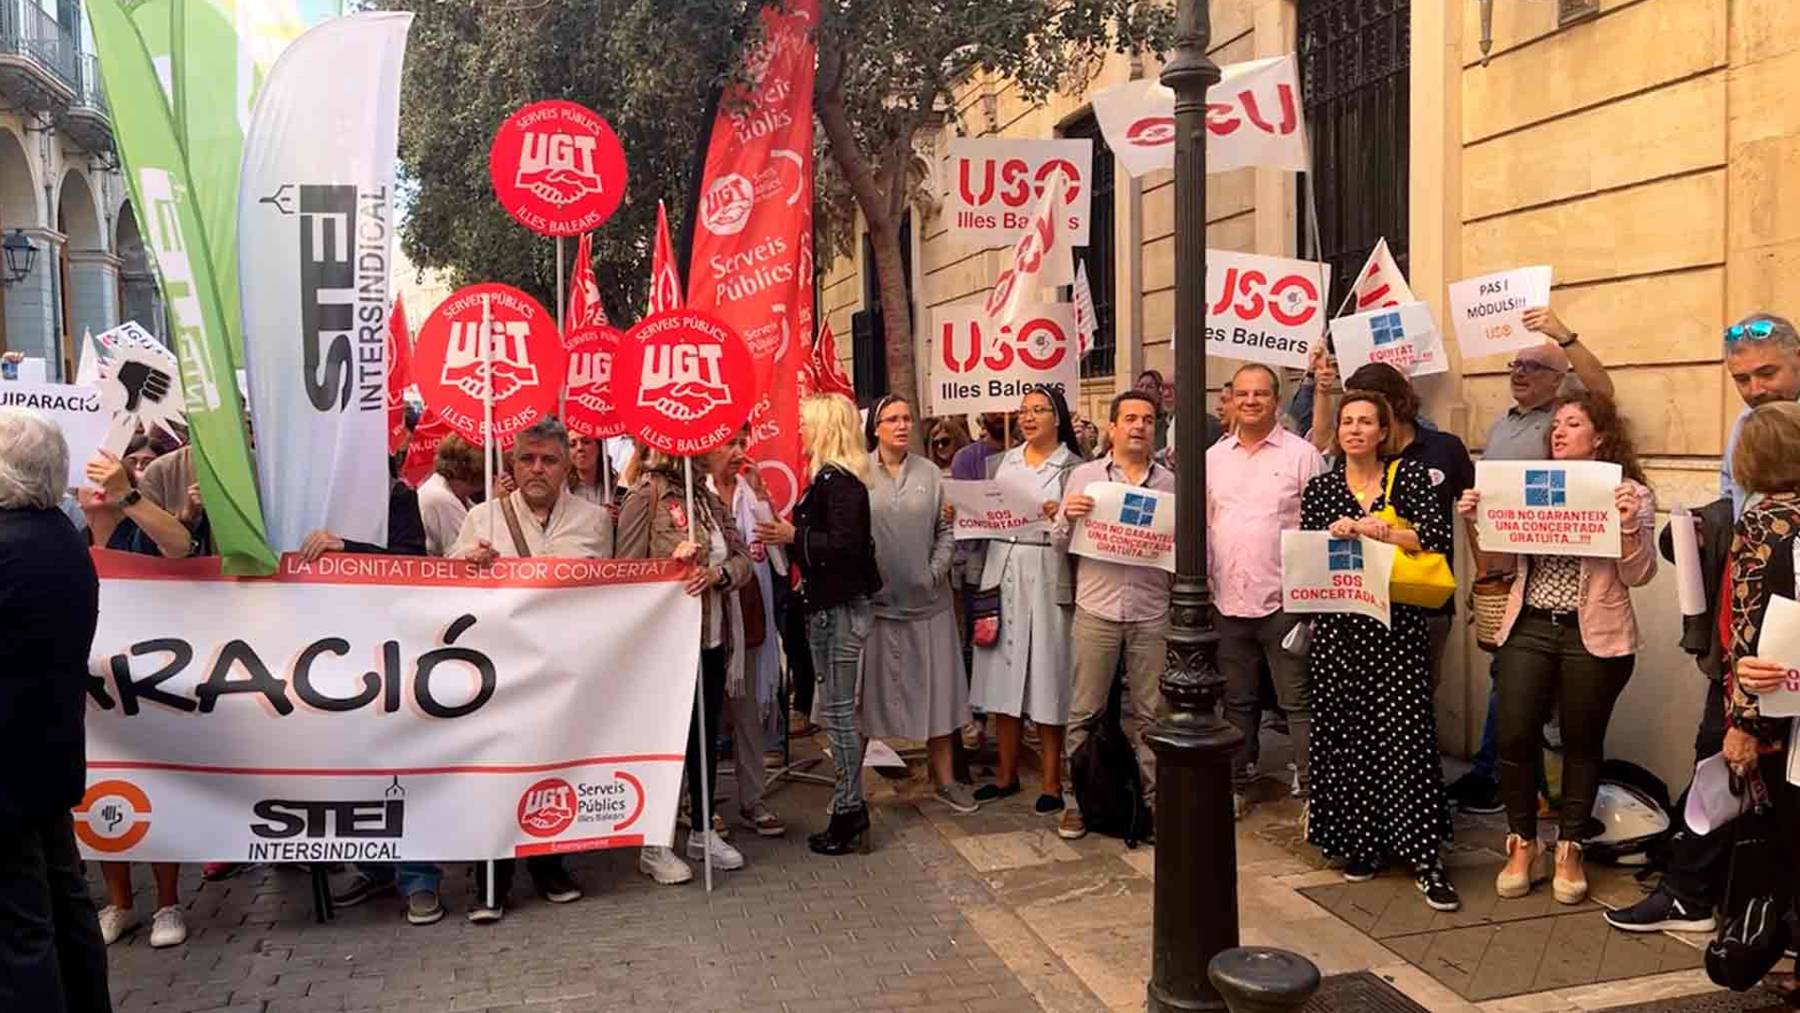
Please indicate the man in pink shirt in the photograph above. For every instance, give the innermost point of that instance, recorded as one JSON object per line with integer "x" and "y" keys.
{"x": 1254, "y": 478}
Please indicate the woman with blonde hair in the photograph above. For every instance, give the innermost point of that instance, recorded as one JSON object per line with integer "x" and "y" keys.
{"x": 835, "y": 551}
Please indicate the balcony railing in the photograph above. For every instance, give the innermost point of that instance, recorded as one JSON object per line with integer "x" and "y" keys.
{"x": 28, "y": 30}
{"x": 88, "y": 90}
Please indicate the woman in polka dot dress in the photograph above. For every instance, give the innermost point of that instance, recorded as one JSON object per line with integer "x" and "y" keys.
{"x": 1377, "y": 795}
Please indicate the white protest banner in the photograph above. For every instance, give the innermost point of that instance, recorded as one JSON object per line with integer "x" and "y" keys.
{"x": 1253, "y": 117}
{"x": 75, "y": 410}
{"x": 1550, "y": 508}
{"x": 1488, "y": 313}
{"x": 1380, "y": 282}
{"x": 385, "y": 708}
{"x": 990, "y": 509}
{"x": 1264, "y": 309}
{"x": 1320, "y": 573}
{"x": 978, "y": 367}
{"x": 995, "y": 182}
{"x": 1129, "y": 524}
{"x": 1404, "y": 337}
{"x": 1780, "y": 641}
{"x": 316, "y": 209}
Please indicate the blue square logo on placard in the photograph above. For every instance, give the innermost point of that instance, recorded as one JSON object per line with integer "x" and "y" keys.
{"x": 1344, "y": 554}
{"x": 1387, "y": 329}
{"x": 1138, "y": 510}
{"x": 1546, "y": 487}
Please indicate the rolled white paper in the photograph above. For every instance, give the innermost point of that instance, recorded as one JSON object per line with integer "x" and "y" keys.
{"x": 1690, "y": 583}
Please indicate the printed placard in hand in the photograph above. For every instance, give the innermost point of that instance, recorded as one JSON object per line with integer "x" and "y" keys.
{"x": 1780, "y": 641}
{"x": 1264, "y": 309}
{"x": 1320, "y": 573}
{"x": 1550, "y": 508}
{"x": 1403, "y": 336}
{"x": 1129, "y": 524}
{"x": 75, "y": 410}
{"x": 990, "y": 509}
{"x": 1489, "y": 312}
{"x": 978, "y": 366}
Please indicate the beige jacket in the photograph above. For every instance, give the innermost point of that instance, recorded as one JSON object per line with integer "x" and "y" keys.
{"x": 653, "y": 521}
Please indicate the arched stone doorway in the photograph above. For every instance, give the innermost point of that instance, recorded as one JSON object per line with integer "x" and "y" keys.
{"x": 90, "y": 271}
{"x": 26, "y": 317}
{"x": 139, "y": 298}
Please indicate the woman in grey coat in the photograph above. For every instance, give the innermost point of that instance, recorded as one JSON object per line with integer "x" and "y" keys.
{"x": 914, "y": 685}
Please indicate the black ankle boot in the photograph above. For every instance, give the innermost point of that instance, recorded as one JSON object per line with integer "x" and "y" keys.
{"x": 848, "y": 831}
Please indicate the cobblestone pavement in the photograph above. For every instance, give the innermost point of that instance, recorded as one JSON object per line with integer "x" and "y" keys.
{"x": 790, "y": 933}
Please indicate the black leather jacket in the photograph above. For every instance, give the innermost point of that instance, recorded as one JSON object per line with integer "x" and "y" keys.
{"x": 832, "y": 542}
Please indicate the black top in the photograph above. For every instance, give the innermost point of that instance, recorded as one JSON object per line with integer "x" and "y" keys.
{"x": 49, "y": 601}
{"x": 832, "y": 543}
{"x": 406, "y": 532}
{"x": 1452, "y": 473}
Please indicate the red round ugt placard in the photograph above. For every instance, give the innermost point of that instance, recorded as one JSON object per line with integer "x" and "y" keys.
{"x": 683, "y": 382}
{"x": 527, "y": 362}
{"x": 557, "y": 167}
{"x": 588, "y": 406}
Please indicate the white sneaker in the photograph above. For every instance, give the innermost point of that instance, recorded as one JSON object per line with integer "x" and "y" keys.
{"x": 167, "y": 928}
{"x": 724, "y": 856}
{"x": 662, "y": 865}
{"x": 115, "y": 922}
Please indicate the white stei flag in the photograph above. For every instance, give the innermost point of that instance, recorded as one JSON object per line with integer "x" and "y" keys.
{"x": 316, "y": 211}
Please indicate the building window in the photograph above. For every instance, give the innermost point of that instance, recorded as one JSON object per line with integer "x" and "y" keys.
{"x": 1354, "y": 78}
{"x": 868, "y": 331}
{"x": 1097, "y": 256}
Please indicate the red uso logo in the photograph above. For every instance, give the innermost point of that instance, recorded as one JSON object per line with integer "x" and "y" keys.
{"x": 588, "y": 406}
{"x": 1151, "y": 132}
{"x": 1039, "y": 343}
{"x": 547, "y": 808}
{"x": 684, "y": 382}
{"x": 1225, "y": 118}
{"x": 1013, "y": 181}
{"x": 557, "y": 168}
{"x": 523, "y": 361}
{"x": 1290, "y": 300}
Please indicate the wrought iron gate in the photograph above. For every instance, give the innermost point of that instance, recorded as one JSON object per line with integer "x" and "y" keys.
{"x": 1354, "y": 59}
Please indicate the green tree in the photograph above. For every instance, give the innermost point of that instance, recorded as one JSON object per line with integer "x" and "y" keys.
{"x": 886, "y": 70}
{"x": 648, "y": 66}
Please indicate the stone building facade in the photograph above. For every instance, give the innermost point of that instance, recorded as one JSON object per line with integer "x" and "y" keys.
{"x": 1640, "y": 147}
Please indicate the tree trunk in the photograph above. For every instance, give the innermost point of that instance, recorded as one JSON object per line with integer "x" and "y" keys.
{"x": 884, "y": 226}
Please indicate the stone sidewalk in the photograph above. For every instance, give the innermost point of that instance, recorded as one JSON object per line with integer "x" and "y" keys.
{"x": 954, "y": 913}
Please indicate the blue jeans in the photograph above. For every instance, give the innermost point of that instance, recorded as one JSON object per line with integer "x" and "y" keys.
{"x": 836, "y": 635}
{"x": 408, "y": 877}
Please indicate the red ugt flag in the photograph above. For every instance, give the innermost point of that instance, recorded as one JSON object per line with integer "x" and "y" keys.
{"x": 399, "y": 353}
{"x": 584, "y": 291}
{"x": 665, "y": 280}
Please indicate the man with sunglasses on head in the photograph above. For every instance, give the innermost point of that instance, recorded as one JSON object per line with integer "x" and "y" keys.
{"x": 1762, "y": 354}
{"x": 1538, "y": 376}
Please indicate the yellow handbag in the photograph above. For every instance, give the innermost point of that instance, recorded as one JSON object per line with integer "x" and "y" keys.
{"x": 1420, "y": 578}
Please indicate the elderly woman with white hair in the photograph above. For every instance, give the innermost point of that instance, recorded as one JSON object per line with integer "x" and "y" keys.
{"x": 51, "y": 956}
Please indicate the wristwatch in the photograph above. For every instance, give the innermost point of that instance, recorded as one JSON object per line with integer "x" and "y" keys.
{"x": 1572, "y": 339}
{"x": 724, "y": 577}
{"x": 130, "y": 499}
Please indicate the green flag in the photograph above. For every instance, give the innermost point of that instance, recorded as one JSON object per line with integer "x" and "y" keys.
{"x": 162, "y": 193}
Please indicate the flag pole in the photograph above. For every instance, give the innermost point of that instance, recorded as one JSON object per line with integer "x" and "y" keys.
{"x": 687, "y": 467}
{"x": 487, "y": 457}
{"x": 562, "y": 335}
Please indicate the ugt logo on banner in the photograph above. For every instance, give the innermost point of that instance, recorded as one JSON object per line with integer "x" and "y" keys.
{"x": 558, "y": 168}
{"x": 453, "y": 373}
{"x": 588, "y": 406}
{"x": 980, "y": 366}
{"x": 685, "y": 382}
{"x": 1264, "y": 309}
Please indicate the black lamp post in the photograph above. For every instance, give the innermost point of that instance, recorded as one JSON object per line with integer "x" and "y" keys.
{"x": 20, "y": 254}
{"x": 1196, "y": 854}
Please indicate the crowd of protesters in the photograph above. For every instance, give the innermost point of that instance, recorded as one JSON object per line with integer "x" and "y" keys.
{"x": 900, "y": 631}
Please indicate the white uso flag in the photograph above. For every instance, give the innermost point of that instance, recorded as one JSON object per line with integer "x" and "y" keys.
{"x": 1253, "y": 118}
{"x": 1552, "y": 508}
{"x": 1380, "y": 283}
{"x": 316, "y": 210}
{"x": 1085, "y": 317}
{"x": 1404, "y": 337}
{"x": 1320, "y": 573}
